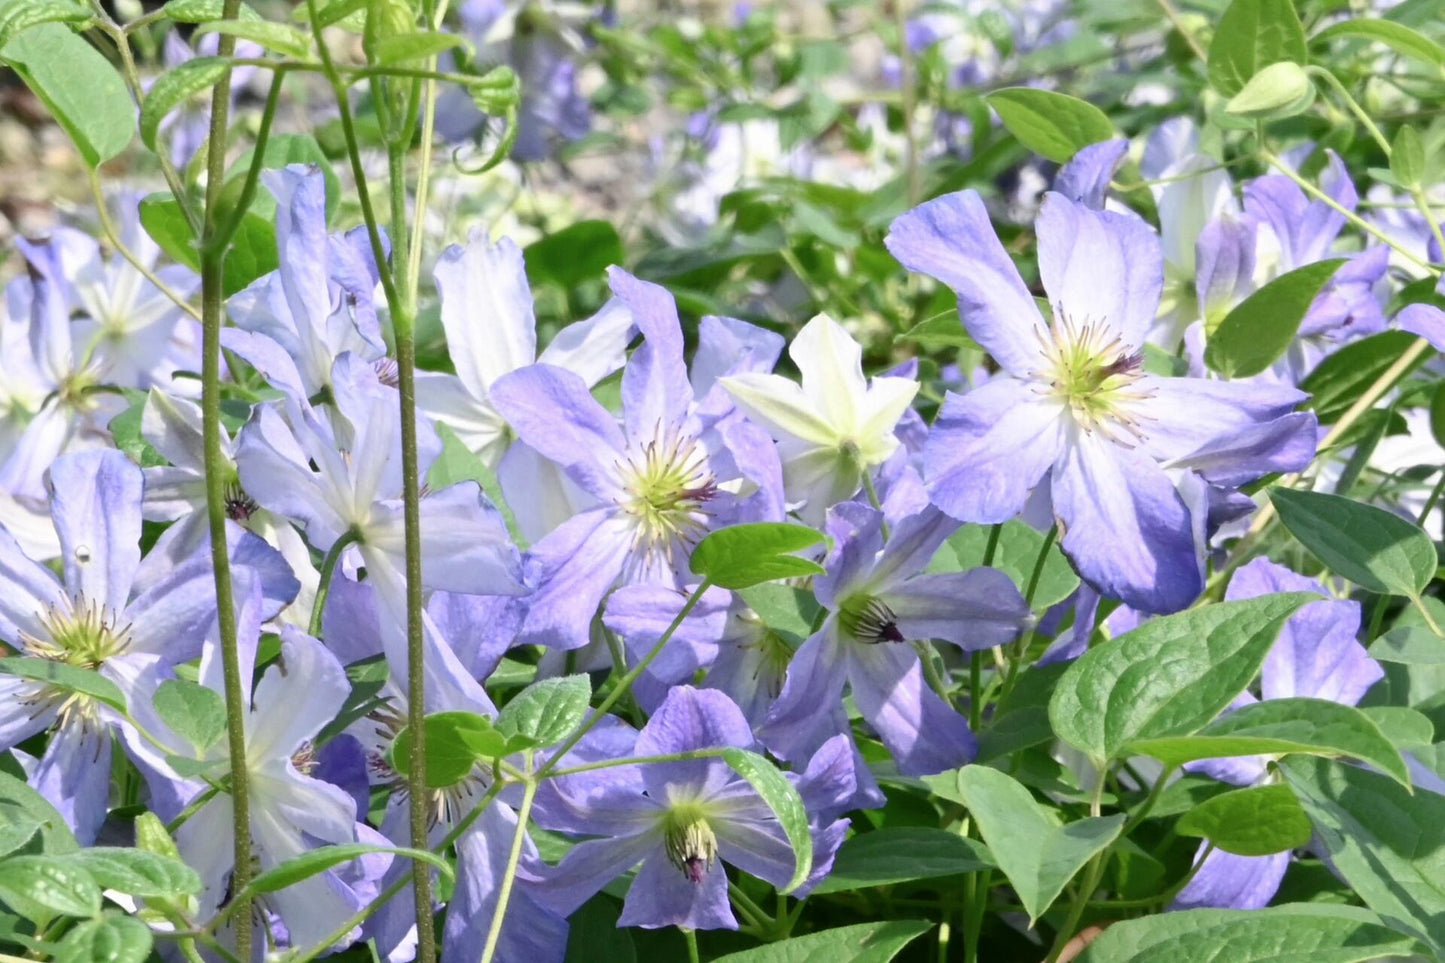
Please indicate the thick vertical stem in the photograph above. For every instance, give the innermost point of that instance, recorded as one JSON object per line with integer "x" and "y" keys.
{"x": 212, "y": 265}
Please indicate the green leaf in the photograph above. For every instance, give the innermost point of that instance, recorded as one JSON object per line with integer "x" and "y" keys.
{"x": 40, "y": 888}
{"x": 281, "y": 150}
{"x": 414, "y": 46}
{"x": 1316, "y": 727}
{"x": 458, "y": 463}
{"x": 319, "y": 860}
{"x": 18, "y": 15}
{"x": 1256, "y": 821}
{"x": 1261, "y": 328}
{"x": 280, "y": 38}
{"x": 892, "y": 855}
{"x": 862, "y": 943}
{"x": 55, "y": 834}
{"x": 252, "y": 252}
{"x": 1410, "y": 645}
{"x": 151, "y": 836}
{"x": 1038, "y": 855}
{"x": 742, "y": 556}
{"x": 1398, "y": 37}
{"x": 1169, "y": 677}
{"x": 1016, "y": 554}
{"x": 548, "y": 711}
{"x": 1253, "y": 34}
{"x": 1388, "y": 844}
{"x": 175, "y": 87}
{"x": 783, "y": 608}
{"x": 1050, "y": 124}
{"x": 1406, "y": 728}
{"x": 200, "y": 11}
{"x": 1374, "y": 548}
{"x": 574, "y": 255}
{"x": 17, "y": 827}
{"x": 1340, "y": 379}
{"x": 62, "y": 675}
{"x": 450, "y": 752}
{"x": 943, "y": 330}
{"x": 136, "y": 872}
{"x": 1295, "y": 933}
{"x": 1279, "y": 90}
{"x": 785, "y": 803}
{"x": 193, "y": 712}
{"x": 79, "y": 87}
{"x": 113, "y": 938}
{"x": 1407, "y": 157}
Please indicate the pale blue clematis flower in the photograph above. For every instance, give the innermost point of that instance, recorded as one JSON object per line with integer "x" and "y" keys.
{"x": 878, "y": 601}
{"x": 291, "y": 811}
{"x": 1129, "y": 457}
{"x": 682, "y": 820}
{"x": 660, "y": 481}
{"x": 342, "y": 474}
{"x": 111, "y": 612}
{"x": 486, "y": 310}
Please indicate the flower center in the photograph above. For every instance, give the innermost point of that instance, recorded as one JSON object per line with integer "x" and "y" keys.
{"x": 1091, "y": 371}
{"x": 239, "y": 505}
{"x": 691, "y": 845}
{"x": 869, "y": 619}
{"x": 667, "y": 486}
{"x": 78, "y": 633}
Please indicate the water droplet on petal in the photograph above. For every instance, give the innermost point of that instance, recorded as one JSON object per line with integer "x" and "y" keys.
{"x": 82, "y": 554}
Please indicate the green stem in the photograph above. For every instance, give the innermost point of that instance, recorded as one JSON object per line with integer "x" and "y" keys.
{"x": 1092, "y": 875}
{"x": 258, "y": 156}
{"x": 1434, "y": 493}
{"x": 1340, "y": 209}
{"x": 760, "y": 917}
{"x": 214, "y": 459}
{"x": 402, "y": 325}
{"x": 328, "y": 571}
{"x": 624, "y": 686}
{"x": 690, "y": 938}
{"x": 1354, "y": 107}
{"x": 112, "y": 236}
{"x": 990, "y": 548}
{"x": 906, "y": 84}
{"x": 514, "y": 858}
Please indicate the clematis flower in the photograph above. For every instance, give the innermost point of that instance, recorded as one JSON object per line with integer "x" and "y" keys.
{"x": 137, "y": 336}
{"x": 486, "y": 309}
{"x": 1317, "y": 655}
{"x": 355, "y": 487}
{"x": 355, "y": 621}
{"x": 291, "y": 811}
{"x": 658, "y": 480}
{"x": 177, "y": 493}
{"x": 1305, "y": 231}
{"x": 835, "y": 426}
{"x": 71, "y": 414}
{"x": 682, "y": 820}
{"x": 1075, "y": 409}
{"x": 744, "y": 658}
{"x": 110, "y": 612}
{"x": 292, "y": 324}
{"x": 877, "y": 602}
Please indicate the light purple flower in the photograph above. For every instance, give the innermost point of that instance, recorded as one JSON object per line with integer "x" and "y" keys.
{"x": 877, "y": 602}
{"x": 292, "y": 812}
{"x": 1316, "y": 655}
{"x": 292, "y": 324}
{"x": 681, "y": 820}
{"x": 110, "y": 611}
{"x": 339, "y": 474}
{"x": 1076, "y": 411}
{"x": 660, "y": 480}
{"x": 486, "y": 310}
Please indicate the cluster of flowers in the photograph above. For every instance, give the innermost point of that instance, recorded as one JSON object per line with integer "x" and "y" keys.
{"x": 1098, "y": 416}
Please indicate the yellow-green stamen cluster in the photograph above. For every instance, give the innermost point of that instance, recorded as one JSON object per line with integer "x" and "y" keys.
{"x": 1091, "y": 371}
{"x": 78, "y": 633}
{"x": 689, "y": 840}
{"x": 667, "y": 486}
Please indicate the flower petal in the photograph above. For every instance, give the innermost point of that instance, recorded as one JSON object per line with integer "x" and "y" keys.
{"x": 952, "y": 239}
{"x": 486, "y": 309}
{"x": 922, "y": 732}
{"x": 95, "y": 501}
